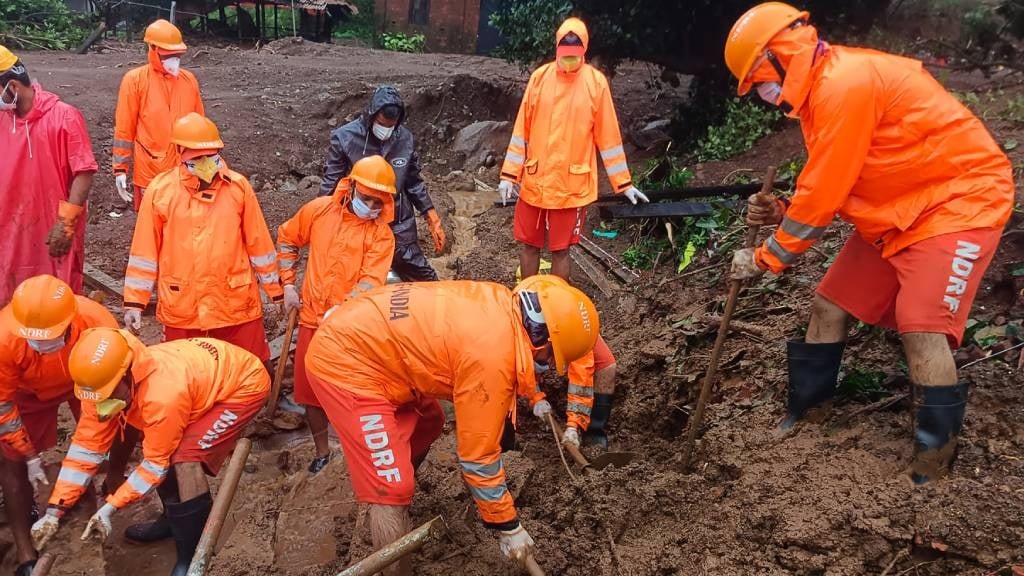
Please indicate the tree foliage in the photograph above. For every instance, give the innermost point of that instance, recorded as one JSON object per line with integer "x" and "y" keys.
{"x": 40, "y": 24}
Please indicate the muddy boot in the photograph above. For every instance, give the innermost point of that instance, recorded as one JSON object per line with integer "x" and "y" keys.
{"x": 159, "y": 529}
{"x": 25, "y": 568}
{"x": 318, "y": 464}
{"x": 938, "y": 420}
{"x": 595, "y": 434}
{"x": 813, "y": 375}
{"x": 187, "y": 521}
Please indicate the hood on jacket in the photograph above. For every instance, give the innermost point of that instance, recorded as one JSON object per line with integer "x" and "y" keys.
{"x": 797, "y": 50}
{"x": 42, "y": 103}
{"x": 384, "y": 96}
{"x": 575, "y": 26}
{"x": 343, "y": 195}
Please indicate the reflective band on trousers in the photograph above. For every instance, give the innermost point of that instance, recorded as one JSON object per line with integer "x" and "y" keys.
{"x": 142, "y": 263}
{"x": 784, "y": 256}
{"x": 491, "y": 494}
{"x": 612, "y": 153}
{"x": 265, "y": 260}
{"x": 491, "y": 470}
{"x": 577, "y": 408}
{"x": 616, "y": 168}
{"x": 76, "y": 452}
{"x": 138, "y": 483}
{"x": 72, "y": 476}
{"x": 578, "y": 390}
{"x": 153, "y": 469}
{"x": 6, "y": 407}
{"x": 800, "y": 230}
{"x": 12, "y": 426}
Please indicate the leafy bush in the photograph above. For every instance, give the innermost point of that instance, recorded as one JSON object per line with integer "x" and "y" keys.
{"x": 529, "y": 29}
{"x": 45, "y": 24}
{"x": 745, "y": 122}
{"x": 398, "y": 42}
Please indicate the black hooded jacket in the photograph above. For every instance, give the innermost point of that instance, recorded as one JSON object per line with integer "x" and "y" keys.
{"x": 355, "y": 141}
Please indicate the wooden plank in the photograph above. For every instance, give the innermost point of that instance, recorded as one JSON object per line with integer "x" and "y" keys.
{"x": 622, "y": 271}
{"x": 592, "y": 271}
{"x": 656, "y": 210}
{"x": 688, "y": 193}
{"x": 100, "y": 280}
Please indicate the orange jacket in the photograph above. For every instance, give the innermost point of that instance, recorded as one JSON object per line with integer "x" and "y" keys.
{"x": 209, "y": 247}
{"x": 148, "y": 103}
{"x": 175, "y": 384}
{"x": 43, "y": 375}
{"x": 562, "y": 118}
{"x": 459, "y": 340}
{"x": 347, "y": 255}
{"x": 579, "y": 401}
{"x": 893, "y": 153}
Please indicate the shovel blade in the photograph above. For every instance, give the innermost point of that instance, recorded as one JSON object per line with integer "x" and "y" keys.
{"x": 617, "y": 459}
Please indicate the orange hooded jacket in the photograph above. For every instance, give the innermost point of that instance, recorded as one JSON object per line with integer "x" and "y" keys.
{"x": 175, "y": 384}
{"x": 458, "y": 340}
{"x": 148, "y": 103}
{"x": 209, "y": 247}
{"x": 562, "y": 118}
{"x": 347, "y": 255}
{"x": 43, "y": 375}
{"x": 889, "y": 150}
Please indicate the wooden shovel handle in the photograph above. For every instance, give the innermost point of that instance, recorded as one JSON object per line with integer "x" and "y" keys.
{"x": 282, "y": 362}
{"x": 573, "y": 451}
{"x": 532, "y": 567}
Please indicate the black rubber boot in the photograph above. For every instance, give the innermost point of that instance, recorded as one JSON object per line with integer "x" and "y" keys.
{"x": 25, "y": 568}
{"x": 318, "y": 464}
{"x": 159, "y": 529}
{"x": 938, "y": 419}
{"x": 187, "y": 521}
{"x": 813, "y": 375}
{"x": 596, "y": 434}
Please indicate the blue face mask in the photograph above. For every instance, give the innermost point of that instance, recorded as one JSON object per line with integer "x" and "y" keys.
{"x": 362, "y": 210}
{"x": 47, "y": 346}
{"x": 540, "y": 368}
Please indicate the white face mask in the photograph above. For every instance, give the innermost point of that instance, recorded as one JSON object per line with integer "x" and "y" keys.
{"x": 172, "y": 65}
{"x": 382, "y": 132}
{"x": 770, "y": 92}
{"x": 8, "y": 92}
{"x": 47, "y": 346}
{"x": 362, "y": 210}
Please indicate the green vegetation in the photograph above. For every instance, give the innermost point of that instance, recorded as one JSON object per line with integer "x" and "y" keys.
{"x": 641, "y": 255}
{"x": 863, "y": 385}
{"x": 529, "y": 29}
{"x": 1015, "y": 110}
{"x": 398, "y": 42}
{"x": 47, "y": 24}
{"x": 745, "y": 122}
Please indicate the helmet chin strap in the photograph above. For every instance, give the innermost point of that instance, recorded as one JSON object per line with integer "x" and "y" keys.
{"x": 786, "y": 107}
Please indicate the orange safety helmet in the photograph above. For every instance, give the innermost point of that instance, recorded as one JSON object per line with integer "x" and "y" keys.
{"x": 571, "y": 318}
{"x": 42, "y": 308}
{"x": 752, "y": 32}
{"x": 196, "y": 132}
{"x": 98, "y": 361}
{"x": 375, "y": 173}
{"x": 165, "y": 36}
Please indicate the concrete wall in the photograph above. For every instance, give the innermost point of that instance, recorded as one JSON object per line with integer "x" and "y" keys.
{"x": 451, "y": 25}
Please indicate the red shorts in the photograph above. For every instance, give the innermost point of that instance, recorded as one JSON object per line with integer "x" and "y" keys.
{"x": 211, "y": 439}
{"x": 303, "y": 392}
{"x": 39, "y": 417}
{"x": 926, "y": 287}
{"x": 380, "y": 440}
{"x": 249, "y": 336}
{"x": 563, "y": 226}
{"x": 603, "y": 356}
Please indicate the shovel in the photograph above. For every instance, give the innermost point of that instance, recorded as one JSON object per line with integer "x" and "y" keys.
{"x": 603, "y": 461}
{"x": 282, "y": 362}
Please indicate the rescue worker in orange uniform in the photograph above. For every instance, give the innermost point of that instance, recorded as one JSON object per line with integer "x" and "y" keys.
{"x": 201, "y": 241}
{"x": 190, "y": 398}
{"x": 566, "y": 116}
{"x": 37, "y": 331}
{"x": 152, "y": 97}
{"x": 920, "y": 178}
{"x": 46, "y": 172}
{"x": 379, "y": 362}
{"x": 350, "y": 250}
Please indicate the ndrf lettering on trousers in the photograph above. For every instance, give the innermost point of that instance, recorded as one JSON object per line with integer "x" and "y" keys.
{"x": 963, "y": 265}
{"x": 376, "y": 439}
{"x": 225, "y": 421}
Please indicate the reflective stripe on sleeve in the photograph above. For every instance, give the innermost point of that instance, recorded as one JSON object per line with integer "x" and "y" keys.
{"x": 800, "y": 230}
{"x": 72, "y": 476}
{"x": 138, "y": 283}
{"x": 611, "y": 153}
{"x": 616, "y": 168}
{"x": 271, "y": 278}
{"x": 517, "y": 141}
{"x": 491, "y": 494}
{"x": 578, "y": 390}
{"x": 514, "y": 158}
{"x": 577, "y": 408}
{"x": 784, "y": 256}
{"x": 12, "y": 426}
{"x": 76, "y": 452}
{"x": 481, "y": 470}
{"x": 264, "y": 260}
{"x": 142, "y": 263}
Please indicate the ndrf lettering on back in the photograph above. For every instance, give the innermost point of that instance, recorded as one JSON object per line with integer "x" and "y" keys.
{"x": 963, "y": 265}
{"x": 376, "y": 439}
{"x": 225, "y": 421}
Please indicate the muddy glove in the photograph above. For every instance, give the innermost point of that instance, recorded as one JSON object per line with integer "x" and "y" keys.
{"x": 571, "y": 436}
{"x": 123, "y": 190}
{"x": 633, "y": 194}
{"x": 36, "y": 474}
{"x": 764, "y": 210}
{"x": 291, "y": 298}
{"x": 508, "y": 191}
{"x": 541, "y": 410}
{"x": 45, "y": 528}
{"x": 133, "y": 319}
{"x": 434, "y": 222}
{"x": 100, "y": 523}
{"x": 60, "y": 237}
{"x": 744, "y": 267}
{"x": 516, "y": 544}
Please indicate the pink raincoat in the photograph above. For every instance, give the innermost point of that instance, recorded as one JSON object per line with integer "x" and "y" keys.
{"x": 40, "y": 155}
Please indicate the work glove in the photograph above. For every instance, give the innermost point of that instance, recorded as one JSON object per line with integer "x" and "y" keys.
{"x": 508, "y": 190}
{"x": 100, "y": 523}
{"x": 44, "y": 528}
{"x": 744, "y": 267}
{"x": 434, "y": 221}
{"x": 541, "y": 410}
{"x": 133, "y": 319}
{"x": 60, "y": 237}
{"x": 633, "y": 194}
{"x": 126, "y": 194}
{"x": 36, "y": 474}
{"x": 571, "y": 436}
{"x": 516, "y": 544}
{"x": 764, "y": 210}
{"x": 291, "y": 298}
